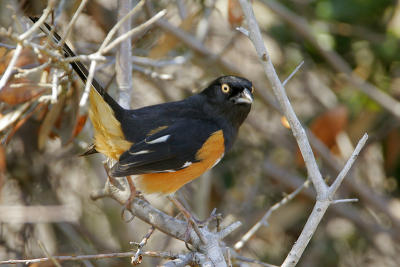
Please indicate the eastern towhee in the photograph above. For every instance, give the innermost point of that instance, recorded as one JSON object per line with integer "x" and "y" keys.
{"x": 167, "y": 145}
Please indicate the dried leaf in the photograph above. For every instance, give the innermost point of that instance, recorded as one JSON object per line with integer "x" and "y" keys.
{"x": 70, "y": 118}
{"x": 27, "y": 57}
{"x": 326, "y": 127}
{"x": 20, "y": 94}
{"x": 12, "y": 116}
{"x": 79, "y": 125}
{"x": 392, "y": 151}
{"x": 235, "y": 13}
{"x": 51, "y": 117}
{"x": 22, "y": 122}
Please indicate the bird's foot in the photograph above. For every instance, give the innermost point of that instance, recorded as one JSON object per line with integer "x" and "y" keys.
{"x": 214, "y": 216}
{"x": 192, "y": 222}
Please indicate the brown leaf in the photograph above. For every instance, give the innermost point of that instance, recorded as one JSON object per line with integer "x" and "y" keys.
{"x": 326, "y": 127}
{"x": 20, "y": 94}
{"x": 22, "y": 121}
{"x": 51, "y": 118}
{"x": 79, "y": 125}
{"x": 392, "y": 151}
{"x": 13, "y": 116}
{"x": 27, "y": 57}
{"x": 235, "y": 13}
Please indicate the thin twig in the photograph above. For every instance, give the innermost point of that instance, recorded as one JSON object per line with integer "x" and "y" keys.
{"x": 319, "y": 210}
{"x": 88, "y": 84}
{"x": 153, "y": 74}
{"x": 279, "y": 91}
{"x": 37, "y": 24}
{"x": 293, "y": 73}
{"x": 8, "y": 72}
{"x": 159, "y": 63}
{"x": 52, "y": 259}
{"x": 7, "y": 46}
{"x": 165, "y": 255}
{"x": 26, "y": 72}
{"x": 135, "y": 30}
{"x": 245, "y": 259}
{"x": 337, "y": 201}
{"x": 264, "y": 219}
{"x": 115, "y": 28}
{"x": 72, "y": 22}
{"x": 123, "y": 64}
{"x": 54, "y": 87}
{"x": 334, "y": 187}
{"x": 137, "y": 258}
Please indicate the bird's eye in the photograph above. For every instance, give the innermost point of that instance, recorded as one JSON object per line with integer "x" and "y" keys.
{"x": 225, "y": 88}
{"x": 252, "y": 90}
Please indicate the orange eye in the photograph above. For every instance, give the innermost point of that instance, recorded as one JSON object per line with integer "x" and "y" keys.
{"x": 225, "y": 88}
{"x": 252, "y": 90}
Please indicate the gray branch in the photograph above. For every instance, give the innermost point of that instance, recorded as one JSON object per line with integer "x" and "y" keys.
{"x": 325, "y": 194}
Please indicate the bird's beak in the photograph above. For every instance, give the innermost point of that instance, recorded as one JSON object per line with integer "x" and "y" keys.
{"x": 244, "y": 97}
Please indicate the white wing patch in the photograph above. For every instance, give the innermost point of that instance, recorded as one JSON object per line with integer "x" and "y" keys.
{"x": 159, "y": 139}
{"x": 140, "y": 152}
{"x": 187, "y": 164}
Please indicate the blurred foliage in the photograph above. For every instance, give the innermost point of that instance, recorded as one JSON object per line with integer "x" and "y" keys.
{"x": 41, "y": 138}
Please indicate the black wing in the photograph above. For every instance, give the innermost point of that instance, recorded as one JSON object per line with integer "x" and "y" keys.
{"x": 168, "y": 150}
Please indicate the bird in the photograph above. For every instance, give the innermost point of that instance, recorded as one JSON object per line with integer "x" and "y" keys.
{"x": 167, "y": 145}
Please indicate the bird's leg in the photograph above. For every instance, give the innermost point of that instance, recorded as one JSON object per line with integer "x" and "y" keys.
{"x": 213, "y": 216}
{"x": 133, "y": 195}
{"x": 191, "y": 220}
{"x": 133, "y": 192}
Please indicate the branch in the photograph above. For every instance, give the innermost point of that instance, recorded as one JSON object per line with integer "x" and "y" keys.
{"x": 72, "y": 22}
{"x": 264, "y": 219}
{"x": 165, "y": 255}
{"x": 279, "y": 91}
{"x": 123, "y": 64}
{"x": 324, "y": 193}
{"x": 319, "y": 210}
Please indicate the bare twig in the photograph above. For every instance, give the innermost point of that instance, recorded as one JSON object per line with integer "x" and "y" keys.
{"x": 123, "y": 64}
{"x": 72, "y": 22}
{"x": 8, "y": 72}
{"x": 37, "y": 24}
{"x": 135, "y": 30}
{"x": 245, "y": 259}
{"x": 52, "y": 259}
{"x": 137, "y": 258}
{"x": 153, "y": 74}
{"x": 115, "y": 28}
{"x": 279, "y": 91}
{"x": 88, "y": 84}
{"x": 293, "y": 73}
{"x": 319, "y": 210}
{"x": 159, "y": 63}
{"x": 344, "y": 200}
{"x": 164, "y": 255}
{"x": 25, "y": 72}
{"x": 264, "y": 219}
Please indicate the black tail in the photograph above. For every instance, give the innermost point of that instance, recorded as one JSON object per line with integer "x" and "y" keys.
{"x": 82, "y": 71}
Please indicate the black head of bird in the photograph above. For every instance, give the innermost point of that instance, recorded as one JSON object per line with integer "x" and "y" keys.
{"x": 230, "y": 96}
